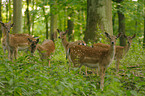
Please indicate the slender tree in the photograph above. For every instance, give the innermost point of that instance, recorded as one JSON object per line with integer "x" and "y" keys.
{"x": 0, "y": 17}
{"x": 28, "y": 16}
{"x": 17, "y": 15}
{"x": 10, "y": 10}
{"x": 121, "y": 18}
{"x": 46, "y": 21}
{"x": 70, "y": 25}
{"x": 144, "y": 25}
{"x": 53, "y": 20}
{"x": 7, "y": 10}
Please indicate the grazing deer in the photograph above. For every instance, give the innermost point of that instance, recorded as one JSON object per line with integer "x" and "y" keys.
{"x": 94, "y": 57}
{"x": 14, "y": 42}
{"x": 120, "y": 50}
{"x": 67, "y": 44}
{"x": 46, "y": 49}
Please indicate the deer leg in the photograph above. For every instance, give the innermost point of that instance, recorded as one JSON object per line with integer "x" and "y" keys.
{"x": 11, "y": 55}
{"x": 102, "y": 75}
{"x": 86, "y": 70}
{"x": 49, "y": 61}
{"x": 15, "y": 53}
{"x": 117, "y": 65}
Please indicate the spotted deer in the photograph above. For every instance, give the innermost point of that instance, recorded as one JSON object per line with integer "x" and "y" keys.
{"x": 120, "y": 50}
{"x": 15, "y": 42}
{"x": 67, "y": 44}
{"x": 45, "y": 50}
{"x": 94, "y": 57}
{"x": 5, "y": 27}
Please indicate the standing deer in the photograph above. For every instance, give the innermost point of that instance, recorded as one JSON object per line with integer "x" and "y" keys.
{"x": 14, "y": 42}
{"x": 46, "y": 49}
{"x": 5, "y": 27}
{"x": 120, "y": 50}
{"x": 94, "y": 57}
{"x": 67, "y": 44}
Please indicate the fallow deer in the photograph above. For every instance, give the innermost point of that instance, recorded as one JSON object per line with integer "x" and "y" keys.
{"x": 14, "y": 42}
{"x": 67, "y": 44}
{"x": 45, "y": 49}
{"x": 5, "y": 27}
{"x": 94, "y": 57}
{"x": 120, "y": 50}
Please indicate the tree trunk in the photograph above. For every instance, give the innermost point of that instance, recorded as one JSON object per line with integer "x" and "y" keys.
{"x": 70, "y": 26}
{"x": 17, "y": 16}
{"x": 33, "y": 18}
{"x": 28, "y": 16}
{"x": 121, "y": 29}
{"x": 10, "y": 13}
{"x": 0, "y": 17}
{"x": 144, "y": 27}
{"x": 53, "y": 22}
{"x": 99, "y": 18}
{"x": 46, "y": 21}
{"x": 7, "y": 11}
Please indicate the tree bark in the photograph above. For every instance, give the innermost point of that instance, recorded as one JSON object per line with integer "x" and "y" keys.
{"x": 46, "y": 21}
{"x": 144, "y": 26}
{"x": 121, "y": 29}
{"x": 7, "y": 11}
{"x": 99, "y": 18}
{"x": 17, "y": 16}
{"x": 28, "y": 16}
{"x": 53, "y": 22}
{"x": 70, "y": 26}
{"x": 0, "y": 17}
{"x": 10, "y": 13}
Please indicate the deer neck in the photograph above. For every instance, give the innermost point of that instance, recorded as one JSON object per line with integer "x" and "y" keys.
{"x": 39, "y": 48}
{"x": 65, "y": 42}
{"x": 7, "y": 38}
{"x": 126, "y": 48}
{"x": 112, "y": 51}
{"x": 4, "y": 32}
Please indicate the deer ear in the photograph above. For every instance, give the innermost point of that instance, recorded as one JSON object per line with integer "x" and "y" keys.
{"x": 58, "y": 30}
{"x": 37, "y": 40}
{"x": 124, "y": 36}
{"x": 2, "y": 23}
{"x": 65, "y": 32}
{"x": 29, "y": 40}
{"x": 107, "y": 35}
{"x": 119, "y": 35}
{"x": 133, "y": 36}
{"x": 9, "y": 22}
{"x": 12, "y": 24}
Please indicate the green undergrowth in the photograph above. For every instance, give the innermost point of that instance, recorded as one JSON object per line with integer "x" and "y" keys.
{"x": 29, "y": 76}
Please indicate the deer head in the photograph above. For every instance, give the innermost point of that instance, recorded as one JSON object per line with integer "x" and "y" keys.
{"x": 7, "y": 26}
{"x": 62, "y": 34}
{"x": 112, "y": 38}
{"x": 33, "y": 45}
{"x": 129, "y": 38}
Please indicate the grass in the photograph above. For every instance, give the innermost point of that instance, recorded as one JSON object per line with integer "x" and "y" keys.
{"x": 29, "y": 76}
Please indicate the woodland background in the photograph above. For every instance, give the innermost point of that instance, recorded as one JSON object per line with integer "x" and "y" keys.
{"x": 86, "y": 20}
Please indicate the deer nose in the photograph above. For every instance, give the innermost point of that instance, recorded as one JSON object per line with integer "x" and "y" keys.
{"x": 112, "y": 42}
{"x": 59, "y": 37}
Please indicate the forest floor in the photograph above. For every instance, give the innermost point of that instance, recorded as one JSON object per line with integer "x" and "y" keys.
{"x": 29, "y": 76}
